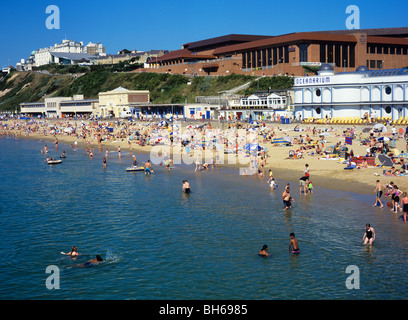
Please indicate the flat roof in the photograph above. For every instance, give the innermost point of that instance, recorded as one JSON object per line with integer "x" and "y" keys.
{"x": 223, "y": 40}
{"x": 401, "y": 32}
{"x": 181, "y": 54}
{"x": 298, "y": 37}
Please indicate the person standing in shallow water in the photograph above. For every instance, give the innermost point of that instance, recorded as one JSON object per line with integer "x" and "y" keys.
{"x": 378, "y": 191}
{"x": 293, "y": 244}
{"x": 369, "y": 235}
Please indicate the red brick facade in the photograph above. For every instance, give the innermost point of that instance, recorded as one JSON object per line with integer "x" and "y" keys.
{"x": 345, "y": 50}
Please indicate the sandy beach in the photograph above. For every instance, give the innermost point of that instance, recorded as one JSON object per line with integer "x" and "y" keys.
{"x": 323, "y": 172}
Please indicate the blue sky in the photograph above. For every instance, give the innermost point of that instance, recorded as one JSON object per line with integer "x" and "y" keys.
{"x": 165, "y": 24}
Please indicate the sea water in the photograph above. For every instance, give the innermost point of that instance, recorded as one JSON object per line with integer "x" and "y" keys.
{"x": 158, "y": 243}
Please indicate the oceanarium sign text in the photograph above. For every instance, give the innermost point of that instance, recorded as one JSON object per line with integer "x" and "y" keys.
{"x": 301, "y": 81}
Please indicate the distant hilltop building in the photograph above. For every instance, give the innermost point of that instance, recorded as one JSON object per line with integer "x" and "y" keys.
{"x": 124, "y": 55}
{"x": 76, "y": 50}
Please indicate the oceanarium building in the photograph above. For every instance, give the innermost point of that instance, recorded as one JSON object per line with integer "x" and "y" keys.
{"x": 380, "y": 94}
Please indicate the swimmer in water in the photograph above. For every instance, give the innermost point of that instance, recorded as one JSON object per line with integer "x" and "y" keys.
{"x": 93, "y": 262}
{"x": 369, "y": 235}
{"x": 74, "y": 252}
{"x": 186, "y": 186}
{"x": 293, "y": 245}
{"x": 263, "y": 252}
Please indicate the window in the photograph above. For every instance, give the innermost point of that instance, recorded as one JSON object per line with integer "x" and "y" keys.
{"x": 258, "y": 58}
{"x": 388, "y": 90}
{"x": 286, "y": 54}
{"x": 318, "y": 110}
{"x": 264, "y": 57}
{"x": 318, "y": 92}
{"x": 322, "y": 53}
{"x": 269, "y": 56}
{"x": 372, "y": 64}
{"x": 337, "y": 55}
{"x": 352, "y": 57}
{"x": 398, "y": 49}
{"x": 344, "y": 54}
{"x": 275, "y": 56}
{"x": 379, "y": 64}
{"x": 280, "y": 54}
{"x": 303, "y": 52}
{"x": 392, "y": 50}
{"x": 387, "y": 109}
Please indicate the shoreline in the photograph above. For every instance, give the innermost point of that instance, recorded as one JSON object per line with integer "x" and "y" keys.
{"x": 323, "y": 173}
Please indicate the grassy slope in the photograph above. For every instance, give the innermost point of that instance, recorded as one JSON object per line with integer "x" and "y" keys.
{"x": 164, "y": 88}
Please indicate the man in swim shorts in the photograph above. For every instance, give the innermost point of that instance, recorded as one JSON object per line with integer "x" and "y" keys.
{"x": 379, "y": 191}
{"x": 286, "y": 198}
{"x": 148, "y": 167}
{"x": 293, "y": 245}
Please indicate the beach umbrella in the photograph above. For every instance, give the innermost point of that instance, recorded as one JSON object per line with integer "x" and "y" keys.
{"x": 385, "y": 139}
{"x": 380, "y": 127}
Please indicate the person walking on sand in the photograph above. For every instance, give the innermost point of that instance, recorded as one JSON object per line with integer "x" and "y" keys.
{"x": 378, "y": 191}
{"x": 369, "y": 235}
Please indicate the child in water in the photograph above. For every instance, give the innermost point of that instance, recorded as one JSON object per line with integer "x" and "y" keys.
{"x": 310, "y": 187}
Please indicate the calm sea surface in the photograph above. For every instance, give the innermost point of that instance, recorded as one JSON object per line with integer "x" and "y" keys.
{"x": 160, "y": 244}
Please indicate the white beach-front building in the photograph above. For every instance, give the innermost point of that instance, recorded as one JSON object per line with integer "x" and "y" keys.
{"x": 378, "y": 93}
{"x": 259, "y": 106}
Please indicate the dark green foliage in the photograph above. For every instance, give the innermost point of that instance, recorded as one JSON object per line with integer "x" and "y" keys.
{"x": 272, "y": 83}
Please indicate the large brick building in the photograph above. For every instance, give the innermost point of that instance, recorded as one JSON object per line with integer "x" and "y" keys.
{"x": 289, "y": 53}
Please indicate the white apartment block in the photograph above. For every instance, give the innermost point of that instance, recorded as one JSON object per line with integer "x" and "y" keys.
{"x": 43, "y": 56}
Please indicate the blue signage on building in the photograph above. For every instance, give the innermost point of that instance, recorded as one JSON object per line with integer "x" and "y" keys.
{"x": 312, "y": 80}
